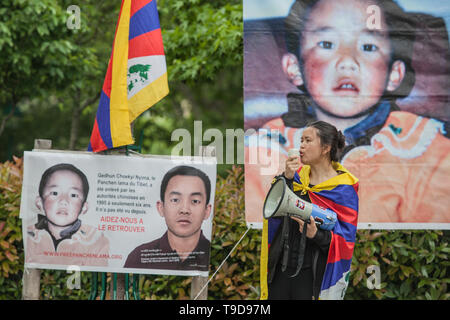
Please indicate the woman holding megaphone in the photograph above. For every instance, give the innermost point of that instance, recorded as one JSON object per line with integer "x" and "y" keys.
{"x": 304, "y": 261}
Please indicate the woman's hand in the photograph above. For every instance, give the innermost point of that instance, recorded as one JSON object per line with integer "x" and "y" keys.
{"x": 311, "y": 230}
{"x": 292, "y": 165}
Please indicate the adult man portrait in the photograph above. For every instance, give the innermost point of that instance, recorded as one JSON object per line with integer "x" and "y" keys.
{"x": 184, "y": 204}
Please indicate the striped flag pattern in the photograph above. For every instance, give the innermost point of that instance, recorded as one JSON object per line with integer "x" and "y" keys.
{"x": 343, "y": 200}
{"x": 136, "y": 77}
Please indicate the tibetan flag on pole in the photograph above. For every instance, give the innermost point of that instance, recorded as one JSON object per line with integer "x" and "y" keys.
{"x": 136, "y": 77}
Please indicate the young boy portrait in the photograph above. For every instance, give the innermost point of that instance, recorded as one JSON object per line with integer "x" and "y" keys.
{"x": 350, "y": 71}
{"x": 184, "y": 204}
{"x": 59, "y": 236}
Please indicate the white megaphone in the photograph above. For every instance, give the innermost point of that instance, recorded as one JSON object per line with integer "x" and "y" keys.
{"x": 281, "y": 201}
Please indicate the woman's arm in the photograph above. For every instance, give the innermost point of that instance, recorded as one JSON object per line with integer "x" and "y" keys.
{"x": 321, "y": 237}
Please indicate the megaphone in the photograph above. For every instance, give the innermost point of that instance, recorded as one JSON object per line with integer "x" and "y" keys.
{"x": 281, "y": 201}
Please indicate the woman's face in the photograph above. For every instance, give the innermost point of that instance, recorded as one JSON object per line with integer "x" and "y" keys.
{"x": 311, "y": 149}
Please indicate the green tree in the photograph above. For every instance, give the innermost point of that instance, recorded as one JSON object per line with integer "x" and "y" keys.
{"x": 47, "y": 66}
{"x": 203, "y": 46}
{"x": 35, "y": 51}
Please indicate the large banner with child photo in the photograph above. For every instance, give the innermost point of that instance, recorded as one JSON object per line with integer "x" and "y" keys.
{"x": 111, "y": 213}
{"x": 377, "y": 70}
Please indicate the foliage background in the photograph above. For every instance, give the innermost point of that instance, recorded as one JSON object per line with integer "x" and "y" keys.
{"x": 413, "y": 264}
{"x": 59, "y": 74}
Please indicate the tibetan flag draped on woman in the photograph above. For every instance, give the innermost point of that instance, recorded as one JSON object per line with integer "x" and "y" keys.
{"x": 136, "y": 77}
{"x": 339, "y": 194}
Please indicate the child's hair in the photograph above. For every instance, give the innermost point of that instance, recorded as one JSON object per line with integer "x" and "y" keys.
{"x": 401, "y": 35}
{"x": 185, "y": 171}
{"x": 329, "y": 136}
{"x": 64, "y": 167}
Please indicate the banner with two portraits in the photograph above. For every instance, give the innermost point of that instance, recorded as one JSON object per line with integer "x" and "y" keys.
{"x": 112, "y": 213}
{"x": 377, "y": 70}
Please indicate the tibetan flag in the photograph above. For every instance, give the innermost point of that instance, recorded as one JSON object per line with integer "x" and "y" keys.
{"x": 339, "y": 194}
{"x": 136, "y": 77}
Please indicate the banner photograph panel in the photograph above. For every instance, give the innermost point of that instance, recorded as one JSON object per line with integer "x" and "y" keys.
{"x": 132, "y": 214}
{"x": 377, "y": 70}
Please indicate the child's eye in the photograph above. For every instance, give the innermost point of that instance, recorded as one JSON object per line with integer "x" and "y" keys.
{"x": 53, "y": 193}
{"x": 326, "y": 44}
{"x": 369, "y": 47}
{"x": 74, "y": 195}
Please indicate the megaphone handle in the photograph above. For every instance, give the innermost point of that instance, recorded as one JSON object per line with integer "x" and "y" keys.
{"x": 315, "y": 221}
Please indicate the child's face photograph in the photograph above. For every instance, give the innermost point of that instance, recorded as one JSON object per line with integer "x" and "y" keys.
{"x": 62, "y": 199}
{"x": 345, "y": 64}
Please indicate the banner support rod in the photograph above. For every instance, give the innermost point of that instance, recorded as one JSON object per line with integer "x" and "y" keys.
{"x": 220, "y": 266}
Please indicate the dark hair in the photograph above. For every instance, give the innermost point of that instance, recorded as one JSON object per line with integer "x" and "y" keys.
{"x": 185, "y": 171}
{"x": 329, "y": 136}
{"x": 64, "y": 167}
{"x": 401, "y": 35}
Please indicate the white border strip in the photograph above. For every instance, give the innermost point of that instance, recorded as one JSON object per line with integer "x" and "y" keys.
{"x": 165, "y": 272}
{"x": 383, "y": 226}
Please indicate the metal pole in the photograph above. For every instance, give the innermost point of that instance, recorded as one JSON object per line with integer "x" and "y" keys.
{"x": 127, "y": 294}
{"x": 32, "y": 277}
{"x": 94, "y": 286}
{"x": 103, "y": 292}
{"x": 136, "y": 286}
